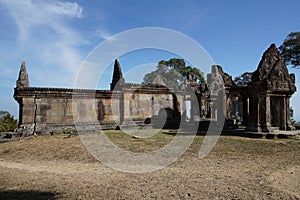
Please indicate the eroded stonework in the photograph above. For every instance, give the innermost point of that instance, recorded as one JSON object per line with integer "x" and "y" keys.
{"x": 263, "y": 105}
{"x": 270, "y": 92}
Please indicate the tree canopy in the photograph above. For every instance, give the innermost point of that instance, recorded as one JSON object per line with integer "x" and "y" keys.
{"x": 244, "y": 79}
{"x": 7, "y": 121}
{"x": 290, "y": 50}
{"x": 173, "y": 73}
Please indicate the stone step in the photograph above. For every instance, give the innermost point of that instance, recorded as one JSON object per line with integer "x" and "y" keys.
{"x": 275, "y": 129}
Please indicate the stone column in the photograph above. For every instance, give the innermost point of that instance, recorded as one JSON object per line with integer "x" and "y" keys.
{"x": 268, "y": 114}
{"x": 285, "y": 113}
{"x": 257, "y": 110}
{"x": 258, "y": 104}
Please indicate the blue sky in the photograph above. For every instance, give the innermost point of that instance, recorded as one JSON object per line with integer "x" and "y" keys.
{"x": 54, "y": 37}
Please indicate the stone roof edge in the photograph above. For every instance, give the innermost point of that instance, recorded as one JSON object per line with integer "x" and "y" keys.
{"x": 62, "y": 89}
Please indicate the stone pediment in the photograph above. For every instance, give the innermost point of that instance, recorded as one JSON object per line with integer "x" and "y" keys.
{"x": 272, "y": 73}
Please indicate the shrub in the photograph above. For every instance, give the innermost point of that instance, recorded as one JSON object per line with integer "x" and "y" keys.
{"x": 7, "y": 122}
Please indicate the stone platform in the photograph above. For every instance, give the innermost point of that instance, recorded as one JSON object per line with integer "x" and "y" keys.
{"x": 278, "y": 134}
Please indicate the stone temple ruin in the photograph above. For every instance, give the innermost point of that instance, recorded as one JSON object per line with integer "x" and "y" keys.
{"x": 261, "y": 105}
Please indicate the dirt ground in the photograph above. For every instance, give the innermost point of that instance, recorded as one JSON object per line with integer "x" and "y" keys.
{"x": 59, "y": 167}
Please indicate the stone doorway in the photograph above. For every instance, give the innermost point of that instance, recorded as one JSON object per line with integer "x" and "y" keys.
{"x": 276, "y": 106}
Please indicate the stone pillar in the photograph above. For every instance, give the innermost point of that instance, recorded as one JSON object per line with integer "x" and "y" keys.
{"x": 258, "y": 114}
{"x": 251, "y": 119}
{"x": 285, "y": 114}
{"x": 268, "y": 114}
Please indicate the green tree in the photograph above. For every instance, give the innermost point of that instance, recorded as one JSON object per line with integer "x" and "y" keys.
{"x": 290, "y": 50}
{"x": 173, "y": 73}
{"x": 243, "y": 80}
{"x": 7, "y": 121}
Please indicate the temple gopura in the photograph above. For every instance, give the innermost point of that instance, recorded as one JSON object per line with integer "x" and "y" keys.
{"x": 263, "y": 105}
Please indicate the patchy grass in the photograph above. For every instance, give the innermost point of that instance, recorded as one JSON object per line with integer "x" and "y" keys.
{"x": 62, "y": 147}
{"x": 137, "y": 143}
{"x": 47, "y": 148}
{"x": 60, "y": 167}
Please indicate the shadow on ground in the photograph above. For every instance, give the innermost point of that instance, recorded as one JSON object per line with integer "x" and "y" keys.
{"x": 26, "y": 194}
{"x": 235, "y": 132}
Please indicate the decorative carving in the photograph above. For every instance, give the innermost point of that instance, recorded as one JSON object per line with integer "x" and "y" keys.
{"x": 265, "y": 99}
{"x": 272, "y": 72}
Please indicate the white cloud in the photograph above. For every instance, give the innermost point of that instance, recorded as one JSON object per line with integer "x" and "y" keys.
{"x": 104, "y": 35}
{"x": 66, "y": 8}
{"x": 45, "y": 34}
{"x": 28, "y": 14}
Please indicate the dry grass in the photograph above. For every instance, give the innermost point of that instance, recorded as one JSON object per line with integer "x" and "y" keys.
{"x": 50, "y": 167}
